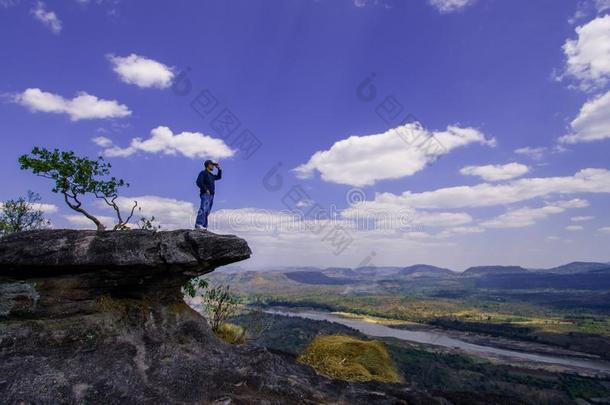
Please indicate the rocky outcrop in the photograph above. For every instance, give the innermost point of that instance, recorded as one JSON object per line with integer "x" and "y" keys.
{"x": 59, "y": 273}
{"x": 98, "y": 317}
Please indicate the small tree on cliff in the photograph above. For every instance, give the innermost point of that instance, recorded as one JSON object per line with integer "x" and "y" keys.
{"x": 22, "y": 214}
{"x": 76, "y": 177}
{"x": 220, "y": 305}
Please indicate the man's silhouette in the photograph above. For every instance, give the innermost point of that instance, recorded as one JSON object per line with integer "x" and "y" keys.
{"x": 205, "y": 182}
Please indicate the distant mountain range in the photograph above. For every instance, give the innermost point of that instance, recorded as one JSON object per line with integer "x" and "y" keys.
{"x": 425, "y": 270}
{"x": 316, "y": 277}
{"x": 577, "y": 267}
{"x": 419, "y": 270}
{"x": 575, "y": 275}
{"x": 485, "y": 270}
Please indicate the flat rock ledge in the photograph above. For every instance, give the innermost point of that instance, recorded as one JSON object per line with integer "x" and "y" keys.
{"x": 56, "y": 273}
{"x": 98, "y": 317}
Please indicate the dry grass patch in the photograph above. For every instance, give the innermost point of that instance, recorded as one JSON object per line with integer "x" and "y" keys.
{"x": 231, "y": 333}
{"x": 350, "y": 359}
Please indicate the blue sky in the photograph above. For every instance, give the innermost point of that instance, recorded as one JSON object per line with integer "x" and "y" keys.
{"x": 485, "y": 140}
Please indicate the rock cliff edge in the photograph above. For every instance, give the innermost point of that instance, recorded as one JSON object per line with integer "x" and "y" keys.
{"x": 98, "y": 317}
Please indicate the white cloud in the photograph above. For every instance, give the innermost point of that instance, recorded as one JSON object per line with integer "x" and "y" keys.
{"x": 399, "y": 152}
{"x": 168, "y": 212}
{"x": 485, "y": 194}
{"x": 592, "y": 123}
{"x": 102, "y": 141}
{"x": 602, "y": 5}
{"x": 45, "y": 208}
{"x": 460, "y": 230}
{"x": 141, "y": 71}
{"x": 532, "y": 153}
{"x": 390, "y": 217}
{"x": 574, "y": 203}
{"x": 47, "y": 18}
{"x": 363, "y": 3}
{"x": 441, "y": 219}
{"x": 605, "y": 229}
{"x": 586, "y": 8}
{"x": 163, "y": 140}
{"x": 573, "y": 228}
{"x": 256, "y": 221}
{"x": 9, "y": 3}
{"x": 582, "y": 218}
{"x": 304, "y": 203}
{"x": 280, "y": 238}
{"x": 496, "y": 172}
{"x": 450, "y": 6}
{"x": 588, "y": 56}
{"x": 81, "y": 222}
{"x": 83, "y": 106}
{"x": 526, "y": 216}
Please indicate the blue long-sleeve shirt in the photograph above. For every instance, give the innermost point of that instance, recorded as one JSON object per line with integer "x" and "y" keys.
{"x": 206, "y": 179}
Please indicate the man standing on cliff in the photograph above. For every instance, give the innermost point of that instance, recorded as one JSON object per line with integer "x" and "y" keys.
{"x": 205, "y": 182}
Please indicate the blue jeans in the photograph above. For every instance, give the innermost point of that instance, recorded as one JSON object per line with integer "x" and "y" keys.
{"x": 204, "y": 210}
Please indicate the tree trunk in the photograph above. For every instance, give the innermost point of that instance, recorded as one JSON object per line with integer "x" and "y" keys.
{"x": 77, "y": 208}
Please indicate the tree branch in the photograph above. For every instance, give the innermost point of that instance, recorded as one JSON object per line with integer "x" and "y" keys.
{"x": 135, "y": 204}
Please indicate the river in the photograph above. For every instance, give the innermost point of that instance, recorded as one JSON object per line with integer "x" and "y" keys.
{"x": 439, "y": 339}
